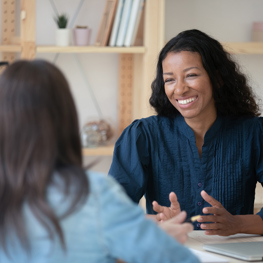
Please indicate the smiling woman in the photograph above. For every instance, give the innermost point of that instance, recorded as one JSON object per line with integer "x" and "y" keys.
{"x": 202, "y": 153}
{"x": 188, "y": 88}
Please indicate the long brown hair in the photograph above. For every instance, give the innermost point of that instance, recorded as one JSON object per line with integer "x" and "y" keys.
{"x": 39, "y": 135}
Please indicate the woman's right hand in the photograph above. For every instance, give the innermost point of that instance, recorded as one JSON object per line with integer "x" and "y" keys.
{"x": 164, "y": 213}
{"x": 176, "y": 228}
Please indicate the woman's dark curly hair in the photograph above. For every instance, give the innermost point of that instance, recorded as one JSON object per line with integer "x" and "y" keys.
{"x": 231, "y": 92}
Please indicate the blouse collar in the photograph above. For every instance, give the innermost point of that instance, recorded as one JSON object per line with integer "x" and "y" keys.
{"x": 210, "y": 134}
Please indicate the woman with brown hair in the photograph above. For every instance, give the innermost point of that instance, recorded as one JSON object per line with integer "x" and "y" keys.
{"x": 52, "y": 210}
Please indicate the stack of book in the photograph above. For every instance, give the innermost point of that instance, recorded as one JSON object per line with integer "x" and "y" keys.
{"x": 121, "y": 24}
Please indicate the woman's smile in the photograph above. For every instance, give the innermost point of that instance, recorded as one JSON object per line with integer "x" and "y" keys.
{"x": 187, "y": 102}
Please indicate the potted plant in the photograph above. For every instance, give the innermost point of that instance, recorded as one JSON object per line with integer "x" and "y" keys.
{"x": 81, "y": 35}
{"x": 63, "y": 33}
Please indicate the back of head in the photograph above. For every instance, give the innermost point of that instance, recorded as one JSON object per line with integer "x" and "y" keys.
{"x": 39, "y": 135}
{"x": 232, "y": 94}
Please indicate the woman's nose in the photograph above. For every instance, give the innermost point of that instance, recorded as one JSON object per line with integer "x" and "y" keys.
{"x": 180, "y": 87}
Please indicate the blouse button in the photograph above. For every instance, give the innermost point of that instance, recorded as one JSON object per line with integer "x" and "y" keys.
{"x": 199, "y": 203}
{"x": 199, "y": 184}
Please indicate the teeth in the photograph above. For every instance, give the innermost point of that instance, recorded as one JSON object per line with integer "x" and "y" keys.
{"x": 186, "y": 101}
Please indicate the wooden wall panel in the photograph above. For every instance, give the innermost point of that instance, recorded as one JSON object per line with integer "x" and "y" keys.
{"x": 28, "y": 28}
{"x": 8, "y": 28}
{"x": 125, "y": 91}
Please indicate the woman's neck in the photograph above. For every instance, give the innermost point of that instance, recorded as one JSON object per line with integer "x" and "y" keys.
{"x": 200, "y": 126}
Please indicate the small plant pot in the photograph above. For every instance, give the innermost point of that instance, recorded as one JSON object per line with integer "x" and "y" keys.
{"x": 257, "y": 32}
{"x": 82, "y": 36}
{"x": 63, "y": 37}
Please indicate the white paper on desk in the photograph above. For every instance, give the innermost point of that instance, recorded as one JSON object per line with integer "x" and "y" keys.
{"x": 205, "y": 257}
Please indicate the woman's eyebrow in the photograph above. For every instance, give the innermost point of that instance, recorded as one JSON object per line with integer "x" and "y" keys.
{"x": 167, "y": 73}
{"x": 189, "y": 69}
{"x": 171, "y": 73}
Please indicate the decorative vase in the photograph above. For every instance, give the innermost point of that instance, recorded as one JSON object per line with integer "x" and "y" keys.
{"x": 82, "y": 36}
{"x": 63, "y": 37}
{"x": 97, "y": 132}
{"x": 257, "y": 32}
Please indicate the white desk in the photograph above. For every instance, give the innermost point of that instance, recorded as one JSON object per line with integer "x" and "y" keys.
{"x": 198, "y": 238}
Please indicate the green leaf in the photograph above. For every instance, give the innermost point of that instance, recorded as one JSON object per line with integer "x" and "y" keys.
{"x": 61, "y": 20}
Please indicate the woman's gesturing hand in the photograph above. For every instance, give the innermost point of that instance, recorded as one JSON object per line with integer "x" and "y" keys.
{"x": 165, "y": 213}
{"x": 176, "y": 228}
{"x": 219, "y": 221}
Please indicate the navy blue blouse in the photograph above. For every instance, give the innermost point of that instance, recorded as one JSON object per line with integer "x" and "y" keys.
{"x": 157, "y": 155}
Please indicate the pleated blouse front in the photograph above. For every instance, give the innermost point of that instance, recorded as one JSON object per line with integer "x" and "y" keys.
{"x": 157, "y": 155}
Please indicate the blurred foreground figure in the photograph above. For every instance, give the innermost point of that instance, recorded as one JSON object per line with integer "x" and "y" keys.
{"x": 52, "y": 210}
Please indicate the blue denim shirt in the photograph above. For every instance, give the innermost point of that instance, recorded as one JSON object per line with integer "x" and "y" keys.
{"x": 108, "y": 226}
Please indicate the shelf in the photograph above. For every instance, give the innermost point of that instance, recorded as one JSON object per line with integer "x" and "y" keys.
{"x": 244, "y": 47}
{"x": 89, "y": 49}
{"x": 105, "y": 150}
{"x": 76, "y": 49}
{"x": 10, "y": 48}
{"x": 231, "y": 47}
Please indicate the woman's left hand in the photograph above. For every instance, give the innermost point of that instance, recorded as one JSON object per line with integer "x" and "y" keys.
{"x": 221, "y": 222}
{"x": 164, "y": 213}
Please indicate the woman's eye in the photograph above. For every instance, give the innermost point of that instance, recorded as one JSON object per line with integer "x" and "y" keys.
{"x": 191, "y": 75}
{"x": 168, "y": 80}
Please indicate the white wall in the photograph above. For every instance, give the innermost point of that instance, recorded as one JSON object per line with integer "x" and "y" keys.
{"x": 225, "y": 20}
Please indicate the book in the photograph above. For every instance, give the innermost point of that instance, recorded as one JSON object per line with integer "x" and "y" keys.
{"x": 106, "y": 23}
{"x": 138, "y": 33}
{"x": 137, "y": 6}
{"x": 116, "y": 23}
{"x": 124, "y": 22}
